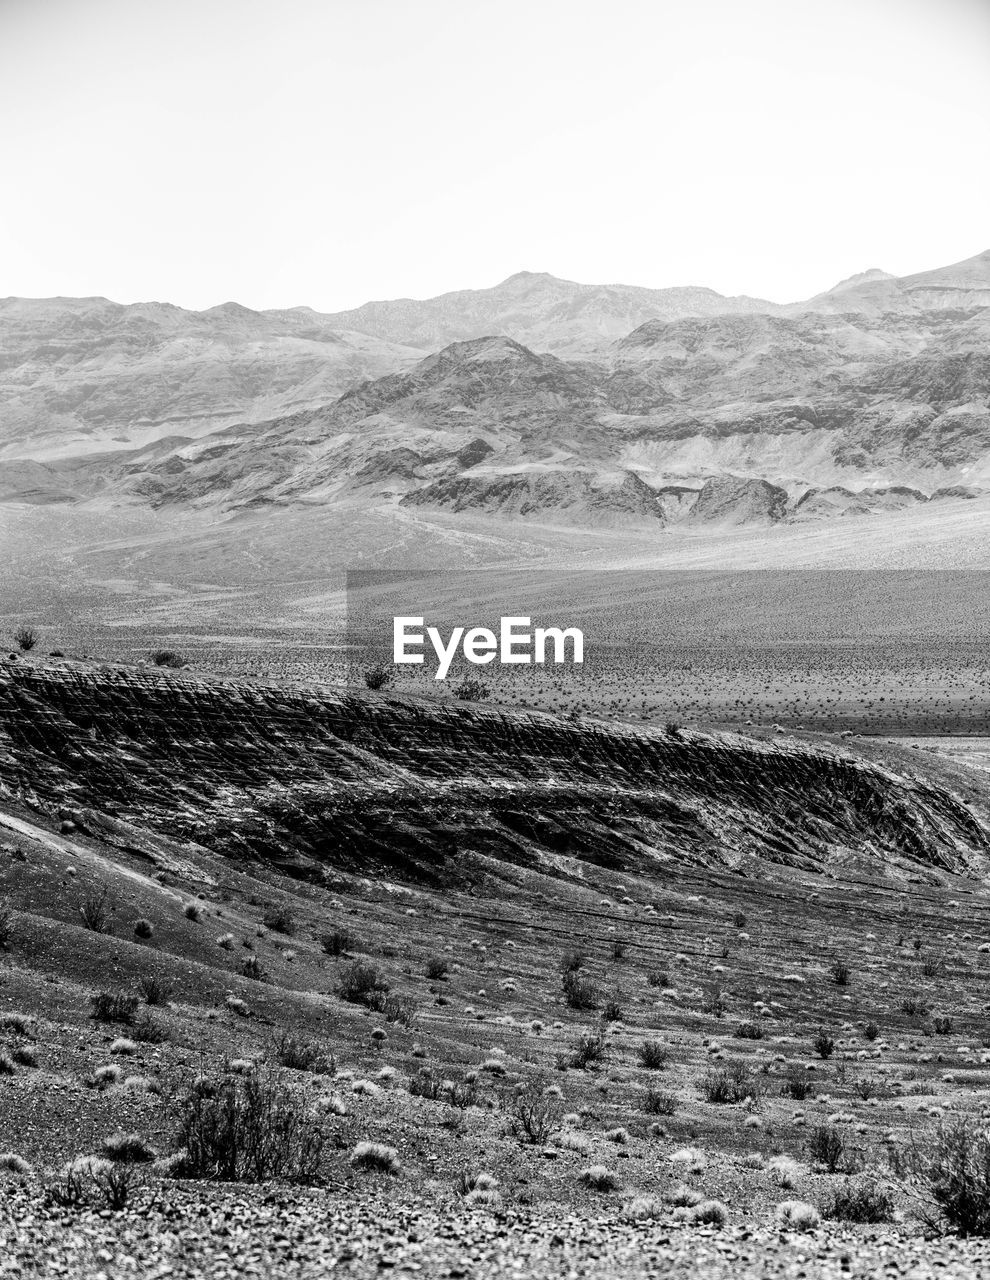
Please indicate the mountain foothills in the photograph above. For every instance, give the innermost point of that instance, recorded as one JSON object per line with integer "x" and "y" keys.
{"x": 547, "y": 401}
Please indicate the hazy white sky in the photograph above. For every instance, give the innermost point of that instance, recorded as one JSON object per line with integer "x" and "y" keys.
{"x": 331, "y": 151}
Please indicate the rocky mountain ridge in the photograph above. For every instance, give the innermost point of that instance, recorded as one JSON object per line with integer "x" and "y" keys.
{"x": 872, "y": 397}
{"x": 310, "y": 781}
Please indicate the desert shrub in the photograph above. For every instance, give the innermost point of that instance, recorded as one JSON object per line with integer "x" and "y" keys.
{"x": 658, "y": 978}
{"x": 867, "y": 1087}
{"x": 798, "y": 1215}
{"x": 149, "y": 1030}
{"x": 619, "y": 948}
{"x": 468, "y": 1181}
{"x": 714, "y": 1001}
{"x": 279, "y": 920}
{"x": 155, "y": 989}
{"x": 304, "y": 1055}
{"x": 338, "y": 942}
{"x": 94, "y": 1178}
{"x": 251, "y": 967}
{"x": 103, "y": 1077}
{"x": 97, "y": 911}
{"x": 535, "y": 1115}
{"x": 128, "y": 1148}
{"x": 840, "y": 972}
{"x": 589, "y": 1051}
{"x": 861, "y": 1200}
{"x": 167, "y": 658}
{"x": 471, "y": 691}
{"x": 942, "y": 1026}
{"x": 143, "y": 928}
{"x": 8, "y": 926}
{"x": 612, "y": 1011}
{"x": 572, "y": 960}
{"x": 113, "y": 1006}
{"x": 26, "y": 638}
{"x": 826, "y": 1145}
{"x": 247, "y": 1128}
{"x": 378, "y": 677}
{"x": 654, "y": 1055}
{"x": 711, "y": 1213}
{"x": 598, "y": 1178}
{"x": 643, "y": 1208}
{"x": 398, "y": 1009}
{"x": 823, "y": 1043}
{"x": 461, "y": 1094}
{"x": 10, "y": 1162}
{"x": 914, "y": 1006}
{"x": 739, "y": 919}
{"x": 950, "y": 1169}
{"x": 376, "y": 1157}
{"x": 749, "y": 1031}
{"x": 21, "y": 1024}
{"x": 359, "y": 981}
{"x": 437, "y": 968}
{"x": 871, "y": 1031}
{"x": 931, "y": 967}
{"x": 658, "y": 1102}
{"x": 798, "y": 1085}
{"x": 192, "y": 911}
{"x": 580, "y": 993}
{"x": 426, "y": 1084}
{"x": 7, "y": 1067}
{"x": 25, "y": 1055}
{"x": 730, "y": 1084}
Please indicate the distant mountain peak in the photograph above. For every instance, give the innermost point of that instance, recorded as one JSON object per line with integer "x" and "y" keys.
{"x": 862, "y": 277}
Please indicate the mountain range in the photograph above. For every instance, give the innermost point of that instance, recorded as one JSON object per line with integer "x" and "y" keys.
{"x": 539, "y": 400}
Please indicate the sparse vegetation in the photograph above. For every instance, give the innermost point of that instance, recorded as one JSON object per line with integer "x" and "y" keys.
{"x": 840, "y": 972}
{"x": 729, "y": 1084}
{"x": 826, "y": 1146}
{"x": 155, "y": 989}
{"x": 589, "y": 1051}
{"x": 376, "y": 1157}
{"x": 823, "y": 1043}
{"x": 167, "y": 658}
{"x": 338, "y": 942}
{"x": 950, "y": 1169}
{"x": 247, "y": 1128}
{"x": 304, "y": 1055}
{"x": 97, "y": 911}
{"x": 437, "y": 968}
{"x": 654, "y": 1055}
{"x": 472, "y": 691}
{"x": 279, "y": 920}
{"x": 114, "y": 1006}
{"x": 579, "y": 992}
{"x": 359, "y": 981}
{"x": 861, "y": 1200}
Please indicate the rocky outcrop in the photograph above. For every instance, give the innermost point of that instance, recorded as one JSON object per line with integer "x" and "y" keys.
{"x": 730, "y": 500}
{"x": 314, "y": 781}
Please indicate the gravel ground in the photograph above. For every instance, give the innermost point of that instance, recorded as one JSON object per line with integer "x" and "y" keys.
{"x": 218, "y": 1233}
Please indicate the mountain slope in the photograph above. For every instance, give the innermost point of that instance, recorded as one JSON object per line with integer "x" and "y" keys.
{"x": 312, "y": 782}
{"x": 539, "y": 310}
{"x": 879, "y": 389}
{"x": 78, "y": 375}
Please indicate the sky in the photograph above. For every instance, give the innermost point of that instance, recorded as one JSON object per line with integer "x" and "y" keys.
{"x": 328, "y": 152}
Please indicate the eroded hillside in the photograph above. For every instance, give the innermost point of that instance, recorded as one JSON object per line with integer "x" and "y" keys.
{"x": 315, "y": 782}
